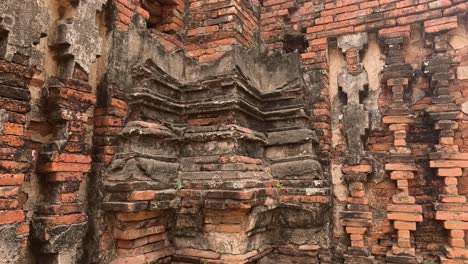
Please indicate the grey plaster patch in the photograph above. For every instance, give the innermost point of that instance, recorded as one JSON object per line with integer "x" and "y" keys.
{"x": 74, "y": 33}
{"x": 356, "y": 41}
{"x": 23, "y": 29}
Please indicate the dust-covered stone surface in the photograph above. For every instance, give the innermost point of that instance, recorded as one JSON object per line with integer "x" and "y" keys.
{"x": 274, "y": 131}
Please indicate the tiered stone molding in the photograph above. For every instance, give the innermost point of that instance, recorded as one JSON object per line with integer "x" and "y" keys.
{"x": 276, "y": 131}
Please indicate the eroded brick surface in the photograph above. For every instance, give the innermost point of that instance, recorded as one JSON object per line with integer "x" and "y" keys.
{"x": 277, "y": 131}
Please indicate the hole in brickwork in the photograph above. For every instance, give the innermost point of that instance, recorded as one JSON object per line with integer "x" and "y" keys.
{"x": 64, "y": 9}
{"x": 163, "y": 15}
{"x": 294, "y": 42}
{"x": 3, "y": 43}
{"x": 67, "y": 66}
{"x": 80, "y": 73}
{"x": 342, "y": 96}
{"x": 363, "y": 94}
{"x": 155, "y": 11}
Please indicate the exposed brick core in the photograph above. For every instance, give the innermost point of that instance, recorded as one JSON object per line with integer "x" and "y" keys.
{"x": 276, "y": 131}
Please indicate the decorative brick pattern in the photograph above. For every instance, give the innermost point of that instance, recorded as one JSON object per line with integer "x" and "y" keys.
{"x": 276, "y": 131}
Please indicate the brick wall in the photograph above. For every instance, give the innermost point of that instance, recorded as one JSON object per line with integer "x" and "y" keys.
{"x": 202, "y": 131}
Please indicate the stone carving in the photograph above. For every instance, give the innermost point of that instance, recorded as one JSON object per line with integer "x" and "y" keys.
{"x": 194, "y": 151}
{"x": 170, "y": 131}
{"x": 352, "y": 81}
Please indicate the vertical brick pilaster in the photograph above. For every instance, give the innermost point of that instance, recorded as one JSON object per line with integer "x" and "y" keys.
{"x": 62, "y": 165}
{"x": 447, "y": 159}
{"x": 403, "y": 212}
{"x": 14, "y": 158}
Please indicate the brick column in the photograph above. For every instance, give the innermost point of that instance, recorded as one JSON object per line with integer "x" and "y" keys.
{"x": 215, "y": 27}
{"x": 62, "y": 165}
{"x": 357, "y": 218}
{"x": 14, "y": 158}
{"x": 447, "y": 159}
{"x": 404, "y": 212}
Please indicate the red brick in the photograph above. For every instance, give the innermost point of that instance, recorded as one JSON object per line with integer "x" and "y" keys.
{"x": 439, "y": 4}
{"x": 12, "y": 141}
{"x": 198, "y": 253}
{"x": 355, "y": 230}
{"x": 8, "y": 204}
{"x": 130, "y": 260}
{"x": 143, "y": 12}
{"x": 392, "y": 33}
{"x": 72, "y": 158}
{"x": 458, "y": 225}
{"x": 22, "y": 229}
{"x": 124, "y": 10}
{"x": 14, "y": 105}
{"x": 228, "y": 258}
{"x": 403, "y": 216}
{"x": 463, "y": 7}
{"x": 404, "y": 225}
{"x": 401, "y": 167}
{"x": 137, "y": 216}
{"x": 357, "y": 168}
{"x": 210, "y": 57}
{"x": 447, "y": 215}
{"x": 324, "y": 20}
{"x": 457, "y": 233}
{"x": 407, "y": 10}
{"x": 367, "y": 4}
{"x": 403, "y": 199}
{"x": 64, "y": 167}
{"x": 65, "y": 176}
{"x": 401, "y": 175}
{"x": 398, "y": 119}
{"x": 60, "y": 209}
{"x": 8, "y": 191}
{"x": 121, "y": 26}
{"x": 305, "y": 199}
{"x": 13, "y": 166}
{"x": 449, "y": 172}
{"x": 312, "y": 247}
{"x": 107, "y": 121}
{"x": 127, "y": 3}
{"x": 355, "y": 14}
{"x": 119, "y": 104}
{"x": 74, "y": 95}
{"x": 419, "y": 17}
{"x": 439, "y": 28}
{"x": 124, "y": 19}
{"x": 141, "y": 241}
{"x": 13, "y": 129}
{"x": 453, "y": 199}
{"x": 339, "y": 10}
{"x": 440, "y": 24}
{"x": 63, "y": 219}
{"x": 315, "y": 29}
{"x": 408, "y": 208}
{"x": 449, "y": 163}
{"x": 9, "y": 217}
{"x": 137, "y": 233}
{"x": 68, "y": 197}
{"x": 11, "y": 179}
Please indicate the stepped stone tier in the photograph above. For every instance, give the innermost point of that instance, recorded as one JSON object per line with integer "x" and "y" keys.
{"x": 233, "y": 131}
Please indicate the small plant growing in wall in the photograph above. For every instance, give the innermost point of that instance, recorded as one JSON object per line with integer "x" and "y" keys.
{"x": 179, "y": 185}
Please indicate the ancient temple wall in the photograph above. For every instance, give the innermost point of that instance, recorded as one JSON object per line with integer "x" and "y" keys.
{"x": 277, "y": 131}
